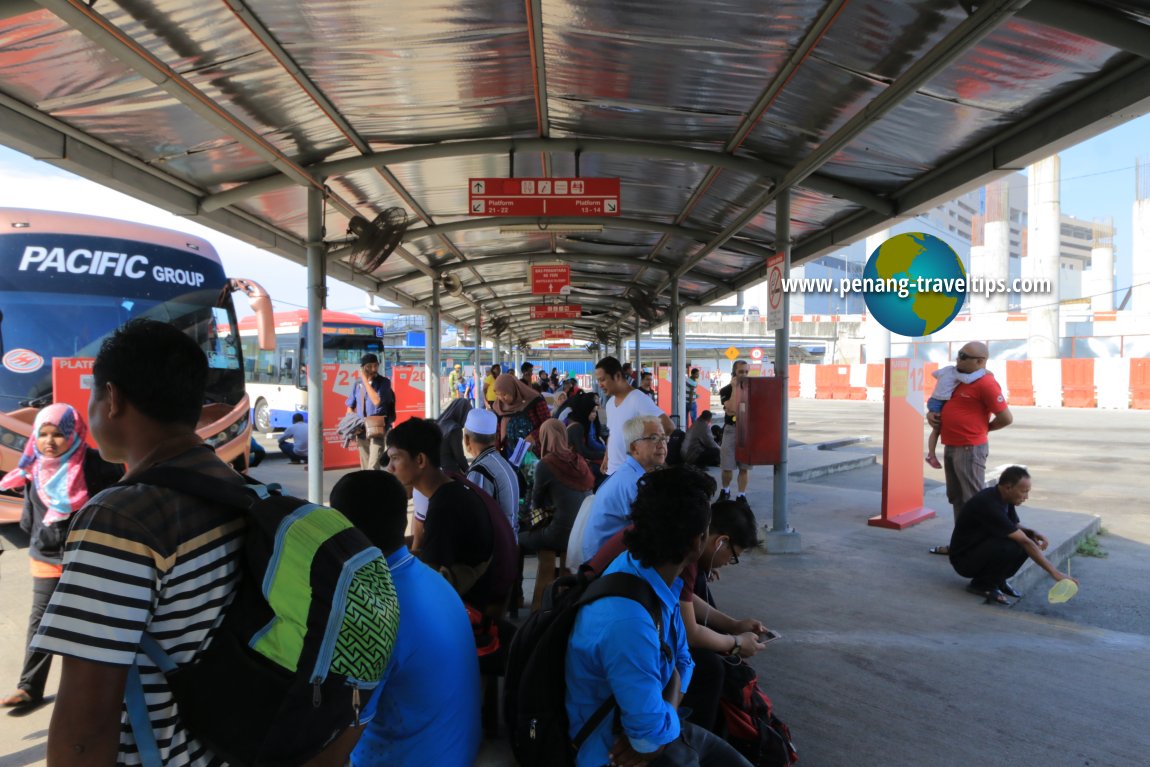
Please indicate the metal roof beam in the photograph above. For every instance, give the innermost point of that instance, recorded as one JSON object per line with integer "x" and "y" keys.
{"x": 607, "y": 222}
{"x": 962, "y": 38}
{"x": 1091, "y": 21}
{"x": 281, "y": 56}
{"x": 646, "y": 149}
{"x": 1116, "y": 98}
{"x": 527, "y": 258}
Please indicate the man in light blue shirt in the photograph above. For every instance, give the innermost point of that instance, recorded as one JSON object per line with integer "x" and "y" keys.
{"x": 646, "y": 450}
{"x": 615, "y": 649}
{"x": 427, "y": 709}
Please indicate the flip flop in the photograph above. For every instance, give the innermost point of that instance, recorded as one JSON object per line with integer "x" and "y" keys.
{"x": 19, "y": 699}
{"x": 943, "y": 550}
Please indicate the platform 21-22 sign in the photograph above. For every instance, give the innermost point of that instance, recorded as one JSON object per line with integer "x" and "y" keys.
{"x": 543, "y": 196}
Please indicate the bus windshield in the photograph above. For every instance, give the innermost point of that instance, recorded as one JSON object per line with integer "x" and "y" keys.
{"x": 54, "y": 312}
{"x": 344, "y": 344}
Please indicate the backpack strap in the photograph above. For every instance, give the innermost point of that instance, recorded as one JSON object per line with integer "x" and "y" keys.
{"x": 137, "y": 705}
{"x": 636, "y": 589}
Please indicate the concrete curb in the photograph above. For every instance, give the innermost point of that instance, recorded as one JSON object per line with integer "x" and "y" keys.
{"x": 1032, "y": 580}
{"x": 814, "y": 472}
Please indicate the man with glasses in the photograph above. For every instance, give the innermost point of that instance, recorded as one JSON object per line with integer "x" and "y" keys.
{"x": 973, "y": 411}
{"x": 729, "y": 397}
{"x": 646, "y": 451}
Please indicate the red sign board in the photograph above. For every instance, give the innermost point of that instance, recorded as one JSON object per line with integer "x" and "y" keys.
{"x": 72, "y": 384}
{"x": 558, "y": 334}
{"x": 550, "y": 279}
{"x": 410, "y": 385}
{"x": 556, "y": 311}
{"x": 543, "y": 196}
{"x": 338, "y": 381}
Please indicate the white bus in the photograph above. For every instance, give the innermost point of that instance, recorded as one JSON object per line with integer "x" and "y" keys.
{"x": 67, "y": 281}
{"x": 276, "y": 381}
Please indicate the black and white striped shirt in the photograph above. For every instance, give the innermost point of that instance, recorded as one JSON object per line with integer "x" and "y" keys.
{"x": 144, "y": 558}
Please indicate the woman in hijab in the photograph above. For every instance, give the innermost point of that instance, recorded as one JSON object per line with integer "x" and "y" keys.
{"x": 58, "y": 473}
{"x": 451, "y": 456}
{"x": 562, "y": 480}
{"x": 581, "y": 425}
{"x": 521, "y": 411}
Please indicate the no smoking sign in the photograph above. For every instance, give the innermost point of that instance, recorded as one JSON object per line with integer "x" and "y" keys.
{"x": 775, "y": 315}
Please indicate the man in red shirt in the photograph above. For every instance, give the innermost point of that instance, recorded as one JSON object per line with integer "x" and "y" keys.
{"x": 973, "y": 411}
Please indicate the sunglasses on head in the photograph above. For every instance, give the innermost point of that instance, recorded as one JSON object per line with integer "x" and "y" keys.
{"x": 963, "y": 356}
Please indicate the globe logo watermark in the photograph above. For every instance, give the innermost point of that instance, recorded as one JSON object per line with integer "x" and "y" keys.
{"x": 914, "y": 284}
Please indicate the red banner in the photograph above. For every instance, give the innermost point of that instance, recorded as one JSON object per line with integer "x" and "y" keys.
{"x": 550, "y": 279}
{"x": 72, "y": 384}
{"x": 543, "y": 196}
{"x": 338, "y": 381}
{"x": 556, "y": 311}
{"x": 547, "y": 334}
{"x": 410, "y": 385}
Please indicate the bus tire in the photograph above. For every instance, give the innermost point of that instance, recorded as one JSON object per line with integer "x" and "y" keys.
{"x": 262, "y": 419}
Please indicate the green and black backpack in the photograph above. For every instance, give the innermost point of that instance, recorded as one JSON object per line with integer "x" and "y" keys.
{"x": 302, "y": 645}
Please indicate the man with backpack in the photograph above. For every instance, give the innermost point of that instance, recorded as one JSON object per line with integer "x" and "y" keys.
{"x": 617, "y": 653}
{"x": 143, "y": 561}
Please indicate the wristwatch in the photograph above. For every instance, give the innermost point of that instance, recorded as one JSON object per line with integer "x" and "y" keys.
{"x": 735, "y": 650}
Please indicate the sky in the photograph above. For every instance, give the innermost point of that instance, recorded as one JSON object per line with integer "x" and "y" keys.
{"x": 1098, "y": 179}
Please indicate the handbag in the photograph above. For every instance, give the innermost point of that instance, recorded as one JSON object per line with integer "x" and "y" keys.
{"x": 375, "y": 426}
{"x": 537, "y": 519}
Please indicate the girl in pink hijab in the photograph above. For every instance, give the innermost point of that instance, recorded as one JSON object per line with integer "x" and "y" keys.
{"x": 58, "y": 473}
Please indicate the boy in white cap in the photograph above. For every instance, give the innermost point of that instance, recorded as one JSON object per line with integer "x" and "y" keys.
{"x": 488, "y": 468}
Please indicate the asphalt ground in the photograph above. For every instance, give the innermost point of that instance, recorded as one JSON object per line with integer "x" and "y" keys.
{"x": 885, "y": 659}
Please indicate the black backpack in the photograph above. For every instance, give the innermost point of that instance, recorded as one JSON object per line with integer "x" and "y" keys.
{"x": 284, "y": 674}
{"x": 534, "y": 703}
{"x": 675, "y": 447}
{"x": 749, "y": 720}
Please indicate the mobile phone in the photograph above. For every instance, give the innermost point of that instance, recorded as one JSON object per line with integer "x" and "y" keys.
{"x": 768, "y": 636}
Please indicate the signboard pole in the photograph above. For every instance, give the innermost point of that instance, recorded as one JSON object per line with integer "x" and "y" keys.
{"x": 902, "y": 463}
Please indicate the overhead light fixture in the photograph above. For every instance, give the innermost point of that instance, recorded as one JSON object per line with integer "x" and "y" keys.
{"x": 542, "y": 228}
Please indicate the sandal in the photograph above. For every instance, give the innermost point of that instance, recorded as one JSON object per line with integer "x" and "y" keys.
{"x": 943, "y": 550}
{"x": 993, "y": 596}
{"x": 19, "y": 699}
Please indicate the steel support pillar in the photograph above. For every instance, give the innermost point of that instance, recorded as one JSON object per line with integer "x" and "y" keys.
{"x": 316, "y": 296}
{"x": 433, "y": 346}
{"x": 781, "y": 537}
{"x": 678, "y": 358}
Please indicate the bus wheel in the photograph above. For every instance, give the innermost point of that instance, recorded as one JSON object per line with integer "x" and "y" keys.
{"x": 263, "y": 417}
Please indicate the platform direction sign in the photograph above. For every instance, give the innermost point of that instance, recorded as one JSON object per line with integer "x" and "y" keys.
{"x": 556, "y": 311}
{"x": 556, "y": 334}
{"x": 543, "y": 197}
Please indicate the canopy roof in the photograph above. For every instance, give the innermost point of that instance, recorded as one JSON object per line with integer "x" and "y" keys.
{"x": 228, "y": 112}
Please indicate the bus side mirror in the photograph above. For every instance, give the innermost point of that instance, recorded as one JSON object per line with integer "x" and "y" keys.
{"x": 261, "y": 304}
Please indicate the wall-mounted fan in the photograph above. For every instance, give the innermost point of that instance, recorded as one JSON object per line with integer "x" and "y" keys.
{"x": 644, "y": 306}
{"x": 375, "y": 240}
{"x": 450, "y": 284}
{"x": 499, "y": 325}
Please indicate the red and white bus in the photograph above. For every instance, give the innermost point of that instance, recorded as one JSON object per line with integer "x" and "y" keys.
{"x": 67, "y": 281}
{"x": 276, "y": 380}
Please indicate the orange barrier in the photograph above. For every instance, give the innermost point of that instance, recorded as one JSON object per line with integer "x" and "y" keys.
{"x": 1019, "y": 382}
{"x": 793, "y": 381}
{"x": 823, "y": 382}
{"x": 874, "y": 374}
{"x": 1078, "y": 383}
{"x": 1140, "y": 384}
